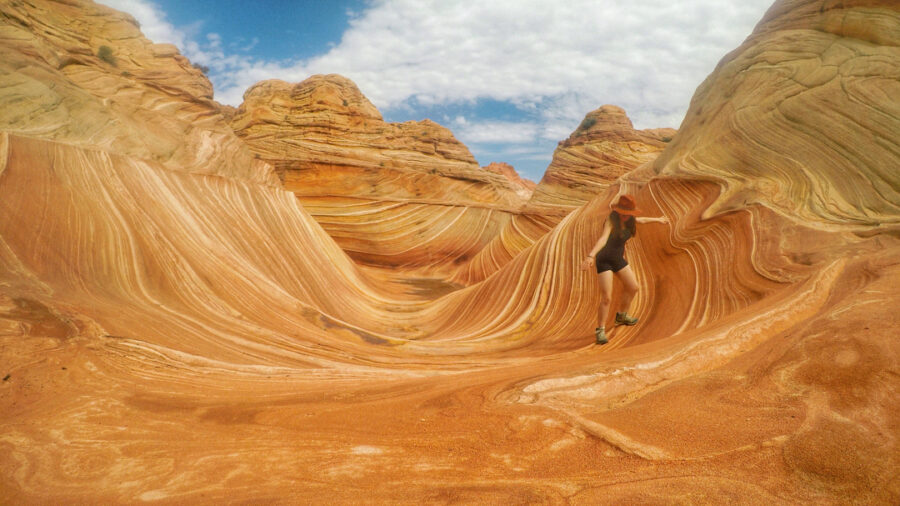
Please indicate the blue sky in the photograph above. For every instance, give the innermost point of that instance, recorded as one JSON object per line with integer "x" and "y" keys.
{"x": 267, "y": 30}
{"x": 510, "y": 78}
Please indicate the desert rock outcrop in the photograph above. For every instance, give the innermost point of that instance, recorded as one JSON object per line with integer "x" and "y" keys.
{"x": 523, "y": 187}
{"x": 391, "y": 194}
{"x": 82, "y": 73}
{"x": 604, "y": 147}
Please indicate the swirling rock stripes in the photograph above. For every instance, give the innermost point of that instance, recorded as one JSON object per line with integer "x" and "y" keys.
{"x": 604, "y": 147}
{"x": 414, "y": 234}
{"x": 195, "y": 336}
{"x": 802, "y": 117}
{"x": 131, "y": 232}
{"x": 143, "y": 100}
{"x": 329, "y": 145}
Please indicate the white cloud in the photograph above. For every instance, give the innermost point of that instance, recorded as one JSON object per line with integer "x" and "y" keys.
{"x": 554, "y": 61}
{"x": 206, "y": 49}
{"x": 494, "y": 132}
{"x": 152, "y": 19}
{"x": 647, "y": 56}
{"x": 251, "y": 45}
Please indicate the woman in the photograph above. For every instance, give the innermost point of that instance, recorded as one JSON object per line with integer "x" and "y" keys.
{"x": 609, "y": 257}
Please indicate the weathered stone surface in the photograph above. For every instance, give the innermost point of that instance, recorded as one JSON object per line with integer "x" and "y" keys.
{"x": 523, "y": 187}
{"x": 141, "y": 99}
{"x": 395, "y": 194}
{"x": 170, "y": 336}
{"x": 803, "y": 116}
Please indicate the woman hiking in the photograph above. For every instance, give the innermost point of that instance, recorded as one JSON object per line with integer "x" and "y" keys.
{"x": 608, "y": 255}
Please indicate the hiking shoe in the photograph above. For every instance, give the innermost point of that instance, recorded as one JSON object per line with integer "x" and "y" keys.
{"x": 624, "y": 319}
{"x": 600, "y": 334}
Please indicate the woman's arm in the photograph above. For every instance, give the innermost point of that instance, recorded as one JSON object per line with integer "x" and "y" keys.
{"x": 589, "y": 260}
{"x": 658, "y": 219}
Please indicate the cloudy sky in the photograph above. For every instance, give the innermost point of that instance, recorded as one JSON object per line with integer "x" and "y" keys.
{"x": 510, "y": 78}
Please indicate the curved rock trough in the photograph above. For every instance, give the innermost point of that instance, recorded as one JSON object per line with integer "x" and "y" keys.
{"x": 203, "y": 305}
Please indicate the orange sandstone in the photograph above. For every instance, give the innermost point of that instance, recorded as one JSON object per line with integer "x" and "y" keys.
{"x": 523, "y": 187}
{"x": 141, "y": 99}
{"x": 182, "y": 332}
{"x": 401, "y": 195}
{"x": 604, "y": 147}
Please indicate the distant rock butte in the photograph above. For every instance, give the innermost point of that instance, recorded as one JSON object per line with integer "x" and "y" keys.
{"x": 398, "y": 194}
{"x": 604, "y": 147}
{"x": 324, "y": 129}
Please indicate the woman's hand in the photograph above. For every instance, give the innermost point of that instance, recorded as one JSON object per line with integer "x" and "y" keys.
{"x": 658, "y": 219}
{"x": 588, "y": 262}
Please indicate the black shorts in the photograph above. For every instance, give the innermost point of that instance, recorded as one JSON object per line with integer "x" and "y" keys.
{"x": 614, "y": 263}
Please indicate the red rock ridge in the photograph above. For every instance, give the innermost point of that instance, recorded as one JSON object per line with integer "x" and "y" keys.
{"x": 803, "y": 83}
{"x": 604, "y": 147}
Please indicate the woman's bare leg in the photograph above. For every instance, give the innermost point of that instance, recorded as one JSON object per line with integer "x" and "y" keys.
{"x": 606, "y": 281}
{"x": 629, "y": 287}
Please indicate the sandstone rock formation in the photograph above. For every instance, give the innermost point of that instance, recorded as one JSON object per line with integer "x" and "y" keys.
{"x": 820, "y": 146}
{"x": 523, "y": 187}
{"x": 191, "y": 334}
{"x": 604, "y": 147}
{"x": 405, "y": 194}
{"x": 83, "y": 74}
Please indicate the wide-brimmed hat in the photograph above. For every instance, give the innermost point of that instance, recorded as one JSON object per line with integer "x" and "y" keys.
{"x": 626, "y": 205}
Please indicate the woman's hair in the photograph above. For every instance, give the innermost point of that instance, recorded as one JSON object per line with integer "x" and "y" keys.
{"x": 630, "y": 223}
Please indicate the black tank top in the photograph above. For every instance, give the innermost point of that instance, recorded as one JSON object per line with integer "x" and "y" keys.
{"x": 619, "y": 233}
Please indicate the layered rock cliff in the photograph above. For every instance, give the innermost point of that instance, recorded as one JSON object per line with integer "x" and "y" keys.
{"x": 406, "y": 194}
{"x": 191, "y": 334}
{"x": 82, "y": 73}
